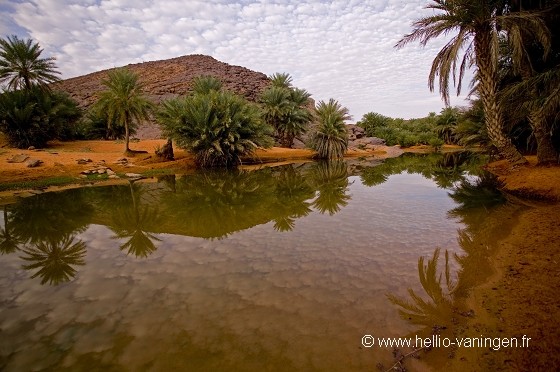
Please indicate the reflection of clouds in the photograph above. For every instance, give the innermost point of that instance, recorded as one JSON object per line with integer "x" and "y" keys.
{"x": 333, "y": 49}
{"x": 299, "y": 301}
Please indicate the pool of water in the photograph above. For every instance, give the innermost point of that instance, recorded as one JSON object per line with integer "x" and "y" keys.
{"x": 284, "y": 268}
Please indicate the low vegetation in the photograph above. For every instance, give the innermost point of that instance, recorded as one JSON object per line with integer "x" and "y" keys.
{"x": 330, "y": 140}
{"x": 217, "y": 126}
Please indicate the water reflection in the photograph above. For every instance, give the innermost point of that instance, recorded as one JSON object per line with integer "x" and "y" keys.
{"x": 488, "y": 218}
{"x": 283, "y": 268}
{"x": 9, "y": 241}
{"x": 55, "y": 260}
{"x": 211, "y": 204}
{"x": 444, "y": 169}
{"x": 134, "y": 222}
{"x": 331, "y": 181}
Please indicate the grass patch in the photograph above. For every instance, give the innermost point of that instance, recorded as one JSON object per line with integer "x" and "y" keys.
{"x": 97, "y": 177}
{"x": 38, "y": 184}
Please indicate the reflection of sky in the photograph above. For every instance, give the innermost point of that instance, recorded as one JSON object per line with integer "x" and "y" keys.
{"x": 258, "y": 298}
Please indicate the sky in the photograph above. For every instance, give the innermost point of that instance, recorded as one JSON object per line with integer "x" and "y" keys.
{"x": 342, "y": 49}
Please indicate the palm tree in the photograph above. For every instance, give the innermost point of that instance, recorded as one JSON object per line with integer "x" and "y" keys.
{"x": 539, "y": 90}
{"x": 281, "y": 80}
{"x": 205, "y": 84}
{"x": 124, "y": 101}
{"x": 331, "y": 139}
{"x": 21, "y": 66}
{"x": 477, "y": 23}
{"x": 284, "y": 109}
{"x": 446, "y": 124}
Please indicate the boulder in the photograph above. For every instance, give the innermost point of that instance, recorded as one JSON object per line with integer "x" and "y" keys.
{"x": 32, "y": 163}
{"x": 19, "y": 158}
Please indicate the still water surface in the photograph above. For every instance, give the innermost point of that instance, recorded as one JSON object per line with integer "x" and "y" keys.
{"x": 283, "y": 268}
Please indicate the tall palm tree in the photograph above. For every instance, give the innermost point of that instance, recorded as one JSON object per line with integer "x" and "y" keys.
{"x": 477, "y": 23}
{"x": 21, "y": 66}
{"x": 124, "y": 101}
{"x": 331, "y": 139}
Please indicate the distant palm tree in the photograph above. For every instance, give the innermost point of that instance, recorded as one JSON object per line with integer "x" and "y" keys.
{"x": 446, "y": 124}
{"x": 21, "y": 66}
{"x": 477, "y": 23}
{"x": 281, "y": 80}
{"x": 124, "y": 101}
{"x": 206, "y": 84}
{"x": 331, "y": 139}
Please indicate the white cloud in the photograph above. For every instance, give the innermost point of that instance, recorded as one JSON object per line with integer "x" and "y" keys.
{"x": 340, "y": 49}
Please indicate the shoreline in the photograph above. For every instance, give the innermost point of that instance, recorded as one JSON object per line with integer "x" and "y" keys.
{"x": 62, "y": 163}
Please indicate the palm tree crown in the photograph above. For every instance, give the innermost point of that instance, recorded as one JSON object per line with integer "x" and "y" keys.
{"x": 21, "y": 66}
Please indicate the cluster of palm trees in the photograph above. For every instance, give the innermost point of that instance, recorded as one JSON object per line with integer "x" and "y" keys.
{"x": 496, "y": 35}
{"x": 30, "y": 113}
{"x": 218, "y": 126}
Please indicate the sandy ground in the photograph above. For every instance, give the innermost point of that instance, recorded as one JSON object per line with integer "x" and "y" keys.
{"x": 60, "y": 159}
{"x": 530, "y": 181}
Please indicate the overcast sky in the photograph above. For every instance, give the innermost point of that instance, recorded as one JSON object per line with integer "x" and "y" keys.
{"x": 341, "y": 49}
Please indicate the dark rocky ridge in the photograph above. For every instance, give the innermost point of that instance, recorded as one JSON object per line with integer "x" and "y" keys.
{"x": 168, "y": 79}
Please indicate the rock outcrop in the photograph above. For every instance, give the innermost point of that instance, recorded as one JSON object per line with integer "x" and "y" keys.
{"x": 168, "y": 79}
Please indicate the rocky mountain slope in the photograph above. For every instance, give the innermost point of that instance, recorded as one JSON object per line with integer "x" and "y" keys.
{"x": 168, "y": 79}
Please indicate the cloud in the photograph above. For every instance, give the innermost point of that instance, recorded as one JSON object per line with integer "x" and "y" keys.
{"x": 339, "y": 49}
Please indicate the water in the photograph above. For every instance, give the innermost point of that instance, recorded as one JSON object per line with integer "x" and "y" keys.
{"x": 278, "y": 269}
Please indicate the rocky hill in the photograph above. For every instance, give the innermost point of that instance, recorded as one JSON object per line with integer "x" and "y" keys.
{"x": 168, "y": 79}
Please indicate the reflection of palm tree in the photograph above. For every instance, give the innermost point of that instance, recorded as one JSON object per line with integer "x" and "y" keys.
{"x": 9, "y": 241}
{"x": 331, "y": 180}
{"x": 50, "y": 216}
{"x": 54, "y": 259}
{"x": 471, "y": 194}
{"x": 133, "y": 223}
{"x": 292, "y": 193}
{"x": 440, "y": 308}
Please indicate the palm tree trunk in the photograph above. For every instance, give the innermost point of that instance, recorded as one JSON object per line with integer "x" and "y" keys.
{"x": 487, "y": 86}
{"x": 126, "y": 136}
{"x": 546, "y": 153}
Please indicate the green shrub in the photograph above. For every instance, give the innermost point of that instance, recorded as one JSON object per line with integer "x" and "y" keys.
{"x": 218, "y": 127}
{"x": 34, "y": 117}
